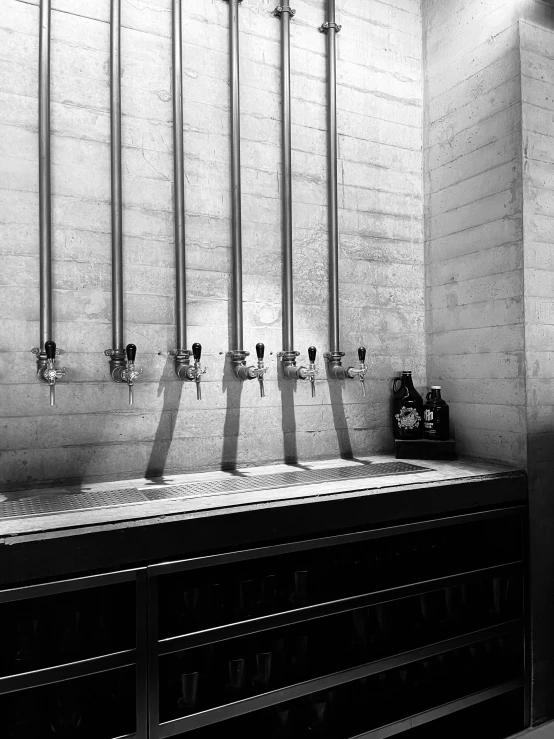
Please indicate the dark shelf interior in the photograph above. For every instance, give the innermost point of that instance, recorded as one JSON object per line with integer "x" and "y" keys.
{"x": 100, "y": 706}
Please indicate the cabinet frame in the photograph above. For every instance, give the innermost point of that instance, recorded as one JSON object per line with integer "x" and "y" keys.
{"x": 137, "y": 656}
{"x": 158, "y": 647}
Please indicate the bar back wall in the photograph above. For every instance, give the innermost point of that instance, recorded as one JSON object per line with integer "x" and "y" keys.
{"x": 92, "y": 433}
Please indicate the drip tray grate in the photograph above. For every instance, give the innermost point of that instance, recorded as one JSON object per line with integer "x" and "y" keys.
{"x": 41, "y": 505}
{"x": 251, "y": 483}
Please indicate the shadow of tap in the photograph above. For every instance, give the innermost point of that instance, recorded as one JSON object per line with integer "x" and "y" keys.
{"x": 339, "y": 419}
{"x": 232, "y": 389}
{"x": 172, "y": 389}
{"x": 287, "y": 389}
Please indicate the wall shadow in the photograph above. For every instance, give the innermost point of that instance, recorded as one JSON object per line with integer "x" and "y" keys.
{"x": 287, "y": 389}
{"x": 171, "y": 388}
{"x": 232, "y": 389}
{"x": 339, "y": 419}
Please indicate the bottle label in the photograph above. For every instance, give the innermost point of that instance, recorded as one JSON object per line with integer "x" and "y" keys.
{"x": 408, "y": 418}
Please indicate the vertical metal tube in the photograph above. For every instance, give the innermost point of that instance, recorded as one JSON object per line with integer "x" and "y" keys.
{"x": 332, "y": 185}
{"x": 288, "y": 317}
{"x": 117, "y": 199}
{"x": 237, "y": 327}
{"x": 45, "y": 191}
{"x": 179, "y": 181}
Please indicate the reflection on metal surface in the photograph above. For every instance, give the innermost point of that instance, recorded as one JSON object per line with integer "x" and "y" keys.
{"x": 38, "y": 505}
{"x": 284, "y": 479}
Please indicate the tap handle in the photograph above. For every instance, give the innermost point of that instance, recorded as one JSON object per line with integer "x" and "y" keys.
{"x": 196, "y": 351}
{"x": 260, "y": 348}
{"x": 312, "y": 351}
{"x": 131, "y": 350}
{"x": 361, "y": 354}
{"x": 50, "y": 348}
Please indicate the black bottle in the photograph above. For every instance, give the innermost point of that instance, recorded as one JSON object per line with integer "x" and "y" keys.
{"x": 436, "y": 416}
{"x": 407, "y": 415}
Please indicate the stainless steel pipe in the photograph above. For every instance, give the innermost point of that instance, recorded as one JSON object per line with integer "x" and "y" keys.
{"x": 46, "y": 350}
{"x": 288, "y": 356}
{"x": 237, "y": 353}
{"x": 330, "y": 28}
{"x": 236, "y": 195}
{"x": 285, "y": 12}
{"x": 122, "y": 359}
{"x": 334, "y": 355}
{"x": 179, "y": 182}
{"x": 116, "y": 192}
{"x": 45, "y": 189}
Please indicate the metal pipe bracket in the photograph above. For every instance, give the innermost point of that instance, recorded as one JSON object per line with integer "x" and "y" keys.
{"x": 327, "y": 25}
{"x": 280, "y": 9}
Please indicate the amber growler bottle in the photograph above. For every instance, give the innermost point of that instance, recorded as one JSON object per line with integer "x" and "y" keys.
{"x": 407, "y": 413}
{"x": 436, "y": 416}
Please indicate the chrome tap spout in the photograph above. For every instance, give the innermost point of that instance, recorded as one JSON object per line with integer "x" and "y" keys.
{"x": 243, "y": 372}
{"x": 293, "y": 372}
{"x": 46, "y": 368}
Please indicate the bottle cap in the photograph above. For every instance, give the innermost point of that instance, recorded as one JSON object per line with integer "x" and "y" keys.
{"x": 406, "y": 372}
{"x": 435, "y": 387}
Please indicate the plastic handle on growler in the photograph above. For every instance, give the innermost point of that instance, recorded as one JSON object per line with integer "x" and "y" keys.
{"x": 131, "y": 351}
{"x": 196, "y": 351}
{"x": 50, "y": 349}
{"x": 361, "y": 354}
{"x": 260, "y": 349}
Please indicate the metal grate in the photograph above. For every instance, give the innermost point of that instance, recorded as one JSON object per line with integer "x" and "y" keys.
{"x": 283, "y": 480}
{"x": 40, "y": 505}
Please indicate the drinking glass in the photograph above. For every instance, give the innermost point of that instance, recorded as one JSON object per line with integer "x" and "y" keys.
{"x": 189, "y": 693}
{"x": 261, "y": 681}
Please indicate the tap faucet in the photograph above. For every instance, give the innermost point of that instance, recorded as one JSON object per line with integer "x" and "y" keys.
{"x": 261, "y": 368}
{"x": 250, "y": 373}
{"x": 130, "y": 372}
{"x": 293, "y": 372}
{"x": 197, "y": 371}
{"x": 311, "y": 372}
{"x": 359, "y": 371}
{"x": 46, "y": 368}
{"x": 183, "y": 368}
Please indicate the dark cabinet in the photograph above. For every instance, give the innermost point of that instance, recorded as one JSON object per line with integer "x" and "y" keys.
{"x": 369, "y": 633}
{"x": 73, "y": 658}
{"x": 418, "y": 626}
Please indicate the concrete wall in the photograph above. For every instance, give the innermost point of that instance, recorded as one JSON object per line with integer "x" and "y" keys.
{"x": 537, "y": 67}
{"x": 473, "y": 226}
{"x": 92, "y": 433}
{"x": 489, "y": 185}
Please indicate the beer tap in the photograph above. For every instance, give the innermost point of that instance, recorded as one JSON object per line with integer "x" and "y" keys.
{"x": 262, "y": 369}
{"x": 359, "y": 372}
{"x": 122, "y": 366}
{"x": 338, "y": 372}
{"x": 293, "y": 372}
{"x": 249, "y": 373}
{"x": 183, "y": 368}
{"x": 46, "y": 367}
{"x": 130, "y": 372}
{"x": 197, "y": 371}
{"x": 311, "y": 372}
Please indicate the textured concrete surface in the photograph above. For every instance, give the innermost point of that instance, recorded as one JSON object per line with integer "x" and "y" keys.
{"x": 537, "y": 52}
{"x": 489, "y": 180}
{"x": 92, "y": 433}
{"x": 474, "y": 230}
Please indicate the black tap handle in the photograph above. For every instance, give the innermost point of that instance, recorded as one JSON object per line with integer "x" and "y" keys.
{"x": 361, "y": 354}
{"x": 131, "y": 350}
{"x": 260, "y": 348}
{"x": 50, "y": 349}
{"x": 311, "y": 354}
{"x": 196, "y": 351}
